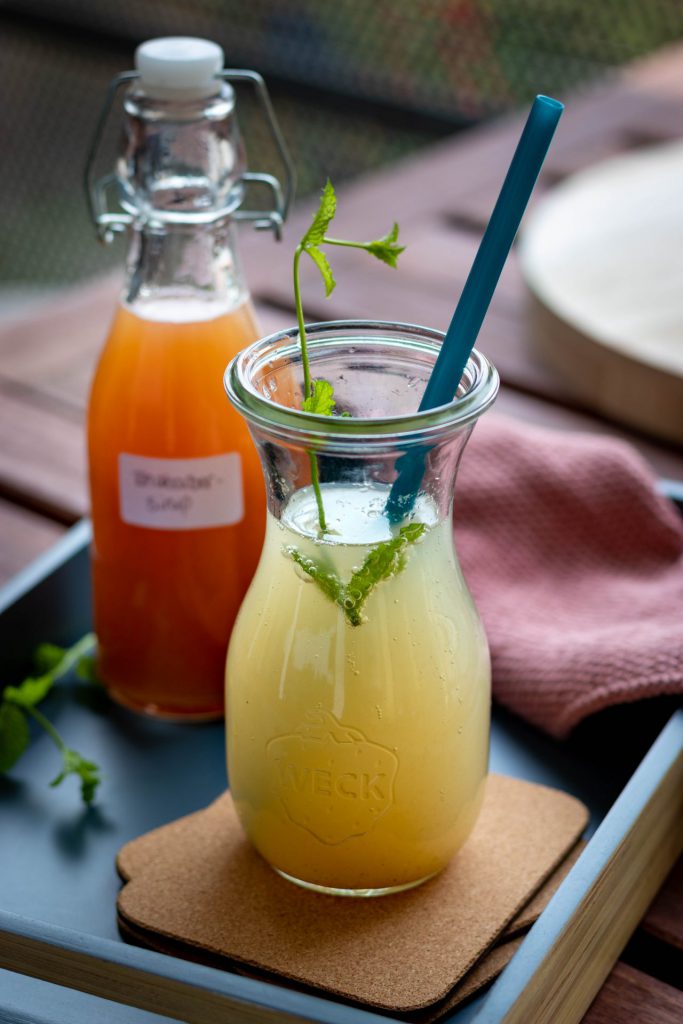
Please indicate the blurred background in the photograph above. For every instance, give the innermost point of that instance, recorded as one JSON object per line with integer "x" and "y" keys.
{"x": 356, "y": 84}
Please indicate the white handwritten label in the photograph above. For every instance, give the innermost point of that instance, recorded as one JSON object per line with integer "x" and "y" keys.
{"x": 181, "y": 494}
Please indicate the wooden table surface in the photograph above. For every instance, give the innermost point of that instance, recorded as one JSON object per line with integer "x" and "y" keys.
{"x": 442, "y": 198}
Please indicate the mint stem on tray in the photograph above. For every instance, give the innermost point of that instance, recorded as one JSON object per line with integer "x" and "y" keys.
{"x": 18, "y": 703}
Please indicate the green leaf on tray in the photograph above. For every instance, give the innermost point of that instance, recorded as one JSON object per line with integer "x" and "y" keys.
{"x": 86, "y": 669}
{"x": 87, "y": 771}
{"x": 19, "y": 701}
{"x": 60, "y": 660}
{"x": 31, "y": 691}
{"x": 14, "y": 735}
{"x": 47, "y": 657}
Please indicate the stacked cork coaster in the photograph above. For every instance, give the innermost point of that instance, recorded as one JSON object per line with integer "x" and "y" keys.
{"x": 196, "y": 889}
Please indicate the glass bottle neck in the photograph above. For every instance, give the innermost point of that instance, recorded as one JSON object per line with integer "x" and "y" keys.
{"x": 184, "y": 272}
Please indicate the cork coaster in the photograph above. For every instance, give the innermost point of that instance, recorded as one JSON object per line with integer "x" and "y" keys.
{"x": 485, "y": 970}
{"x": 196, "y": 884}
{"x": 499, "y": 955}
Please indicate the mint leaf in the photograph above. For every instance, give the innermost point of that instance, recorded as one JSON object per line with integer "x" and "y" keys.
{"x": 14, "y": 735}
{"x": 412, "y": 532}
{"x": 316, "y": 233}
{"x": 322, "y": 263}
{"x": 328, "y": 581}
{"x": 381, "y": 563}
{"x": 47, "y": 657}
{"x": 54, "y": 662}
{"x": 385, "y": 249}
{"x": 69, "y": 656}
{"x": 87, "y": 771}
{"x": 321, "y": 399}
{"x": 86, "y": 669}
{"x": 322, "y": 219}
{"x": 30, "y": 692}
{"x": 21, "y": 700}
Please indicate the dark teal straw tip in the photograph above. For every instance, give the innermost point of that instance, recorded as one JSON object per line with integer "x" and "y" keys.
{"x": 548, "y": 101}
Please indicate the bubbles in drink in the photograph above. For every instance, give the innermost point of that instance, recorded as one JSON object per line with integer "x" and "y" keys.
{"x": 354, "y": 514}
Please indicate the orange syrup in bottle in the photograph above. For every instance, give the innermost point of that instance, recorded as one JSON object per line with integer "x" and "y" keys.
{"x": 166, "y": 599}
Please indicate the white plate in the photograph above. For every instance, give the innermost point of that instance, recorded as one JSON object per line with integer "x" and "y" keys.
{"x": 603, "y": 257}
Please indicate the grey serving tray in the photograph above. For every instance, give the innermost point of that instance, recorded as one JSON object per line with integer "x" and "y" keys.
{"x": 60, "y": 952}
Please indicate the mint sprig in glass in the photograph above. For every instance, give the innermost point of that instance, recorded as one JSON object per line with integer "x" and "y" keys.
{"x": 387, "y": 557}
{"x": 319, "y": 393}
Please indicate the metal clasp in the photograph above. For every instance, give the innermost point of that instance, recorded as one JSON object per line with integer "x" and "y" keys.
{"x": 267, "y": 220}
{"x": 108, "y": 222}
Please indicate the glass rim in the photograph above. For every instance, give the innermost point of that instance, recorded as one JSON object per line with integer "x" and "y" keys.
{"x": 480, "y": 375}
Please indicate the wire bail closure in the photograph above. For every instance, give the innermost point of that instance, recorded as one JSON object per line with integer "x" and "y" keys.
{"x": 110, "y": 222}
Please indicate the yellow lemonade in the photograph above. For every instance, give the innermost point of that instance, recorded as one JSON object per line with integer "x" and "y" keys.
{"x": 357, "y": 754}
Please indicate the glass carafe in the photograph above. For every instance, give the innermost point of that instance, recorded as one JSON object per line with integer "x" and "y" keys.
{"x": 358, "y": 677}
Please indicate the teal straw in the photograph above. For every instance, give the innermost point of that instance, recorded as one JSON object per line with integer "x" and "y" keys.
{"x": 479, "y": 287}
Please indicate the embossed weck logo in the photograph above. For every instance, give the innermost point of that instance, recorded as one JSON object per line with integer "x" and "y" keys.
{"x": 332, "y": 780}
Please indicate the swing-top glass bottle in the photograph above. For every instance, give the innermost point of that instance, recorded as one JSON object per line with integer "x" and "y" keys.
{"x": 176, "y": 490}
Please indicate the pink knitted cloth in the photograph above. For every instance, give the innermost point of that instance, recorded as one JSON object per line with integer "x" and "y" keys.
{"x": 576, "y": 565}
